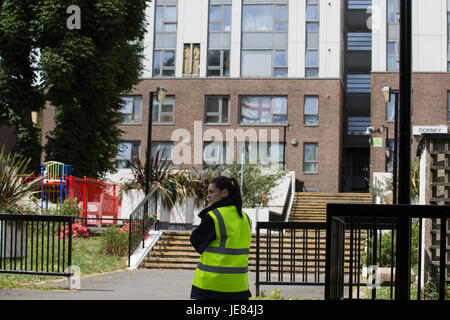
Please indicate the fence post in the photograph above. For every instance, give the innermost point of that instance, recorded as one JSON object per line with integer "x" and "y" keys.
{"x": 114, "y": 204}
{"x": 84, "y": 201}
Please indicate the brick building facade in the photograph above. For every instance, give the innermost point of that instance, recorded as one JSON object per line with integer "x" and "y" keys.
{"x": 317, "y": 66}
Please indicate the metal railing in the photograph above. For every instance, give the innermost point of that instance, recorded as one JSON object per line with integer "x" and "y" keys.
{"x": 35, "y": 244}
{"x": 140, "y": 222}
{"x": 371, "y": 272}
{"x": 290, "y": 253}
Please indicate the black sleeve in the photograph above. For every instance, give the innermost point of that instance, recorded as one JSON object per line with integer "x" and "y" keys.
{"x": 203, "y": 234}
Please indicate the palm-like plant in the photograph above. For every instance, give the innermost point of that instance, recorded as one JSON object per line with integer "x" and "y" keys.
{"x": 15, "y": 182}
{"x": 160, "y": 176}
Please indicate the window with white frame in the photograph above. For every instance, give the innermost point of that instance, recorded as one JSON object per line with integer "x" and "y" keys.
{"x": 393, "y": 35}
{"x": 264, "y": 63}
{"x": 127, "y": 152}
{"x": 218, "y": 63}
{"x": 312, "y": 39}
{"x": 263, "y": 110}
{"x": 217, "y": 110}
{"x": 165, "y": 38}
{"x": 163, "y": 111}
{"x": 131, "y": 109}
{"x": 219, "y": 38}
{"x": 264, "y": 39}
{"x": 311, "y": 116}
{"x": 310, "y": 158}
{"x": 164, "y": 63}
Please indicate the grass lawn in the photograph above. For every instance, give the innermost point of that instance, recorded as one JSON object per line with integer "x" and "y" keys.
{"x": 86, "y": 255}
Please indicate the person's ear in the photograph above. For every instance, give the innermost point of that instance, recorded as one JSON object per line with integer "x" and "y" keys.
{"x": 224, "y": 193}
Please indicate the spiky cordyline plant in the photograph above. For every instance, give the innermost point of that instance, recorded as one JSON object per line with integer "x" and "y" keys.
{"x": 15, "y": 182}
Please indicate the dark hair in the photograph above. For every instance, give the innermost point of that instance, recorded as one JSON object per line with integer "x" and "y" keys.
{"x": 232, "y": 185}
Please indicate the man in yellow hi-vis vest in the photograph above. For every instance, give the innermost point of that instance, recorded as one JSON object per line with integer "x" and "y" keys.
{"x": 223, "y": 240}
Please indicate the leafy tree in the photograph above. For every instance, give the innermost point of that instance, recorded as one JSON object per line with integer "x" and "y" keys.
{"x": 86, "y": 70}
{"x": 20, "y": 92}
{"x": 83, "y": 72}
{"x": 259, "y": 180}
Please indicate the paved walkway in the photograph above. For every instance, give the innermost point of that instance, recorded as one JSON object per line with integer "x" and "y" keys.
{"x": 145, "y": 284}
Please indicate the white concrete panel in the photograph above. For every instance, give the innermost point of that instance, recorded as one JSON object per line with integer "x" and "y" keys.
{"x": 148, "y": 41}
{"x": 296, "y": 39}
{"x": 235, "y": 50}
{"x": 330, "y": 39}
{"x": 429, "y": 36}
{"x": 379, "y": 37}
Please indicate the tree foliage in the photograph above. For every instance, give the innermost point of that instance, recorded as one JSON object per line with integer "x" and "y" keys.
{"x": 83, "y": 72}
{"x": 20, "y": 92}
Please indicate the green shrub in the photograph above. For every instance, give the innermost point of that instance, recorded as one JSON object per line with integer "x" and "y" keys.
{"x": 115, "y": 241}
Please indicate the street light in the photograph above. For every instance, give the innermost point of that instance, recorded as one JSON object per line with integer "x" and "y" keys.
{"x": 387, "y": 98}
{"x": 160, "y": 96}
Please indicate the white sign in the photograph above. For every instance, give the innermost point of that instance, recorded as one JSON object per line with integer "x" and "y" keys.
{"x": 418, "y": 130}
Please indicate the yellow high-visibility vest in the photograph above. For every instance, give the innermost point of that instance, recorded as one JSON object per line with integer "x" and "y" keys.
{"x": 223, "y": 266}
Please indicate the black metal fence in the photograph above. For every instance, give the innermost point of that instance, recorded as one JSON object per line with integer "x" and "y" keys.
{"x": 140, "y": 222}
{"x": 370, "y": 273}
{"x": 290, "y": 253}
{"x": 34, "y": 244}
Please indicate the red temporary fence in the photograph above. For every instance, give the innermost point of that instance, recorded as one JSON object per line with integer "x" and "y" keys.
{"x": 98, "y": 200}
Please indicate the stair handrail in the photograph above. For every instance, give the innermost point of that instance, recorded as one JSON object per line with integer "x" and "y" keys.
{"x": 288, "y": 201}
{"x": 139, "y": 220}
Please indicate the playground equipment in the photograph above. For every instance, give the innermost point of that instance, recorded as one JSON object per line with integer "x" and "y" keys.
{"x": 98, "y": 200}
{"x": 54, "y": 187}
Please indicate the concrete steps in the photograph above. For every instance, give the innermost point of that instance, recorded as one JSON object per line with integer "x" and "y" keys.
{"x": 312, "y": 207}
{"x": 174, "y": 251}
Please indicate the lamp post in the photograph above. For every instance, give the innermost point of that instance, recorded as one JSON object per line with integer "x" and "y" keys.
{"x": 160, "y": 95}
{"x": 387, "y": 97}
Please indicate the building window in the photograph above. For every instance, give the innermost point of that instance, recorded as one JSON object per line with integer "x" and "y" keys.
{"x": 389, "y": 155}
{"x": 219, "y": 18}
{"x": 214, "y": 154}
{"x": 163, "y": 112}
{"x": 165, "y": 41}
{"x": 164, "y": 63}
{"x": 217, "y": 110}
{"x": 218, "y": 63}
{"x": 261, "y": 152}
{"x": 264, "y": 39}
{"x": 191, "y": 59}
{"x": 127, "y": 152}
{"x": 265, "y": 17}
{"x": 164, "y": 148}
{"x": 131, "y": 109}
{"x": 390, "y": 108}
{"x": 393, "y": 35}
{"x": 312, "y": 39}
{"x": 263, "y": 110}
{"x": 165, "y": 19}
{"x": 311, "y": 116}
{"x": 310, "y": 158}
{"x": 264, "y": 63}
{"x": 219, "y": 40}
